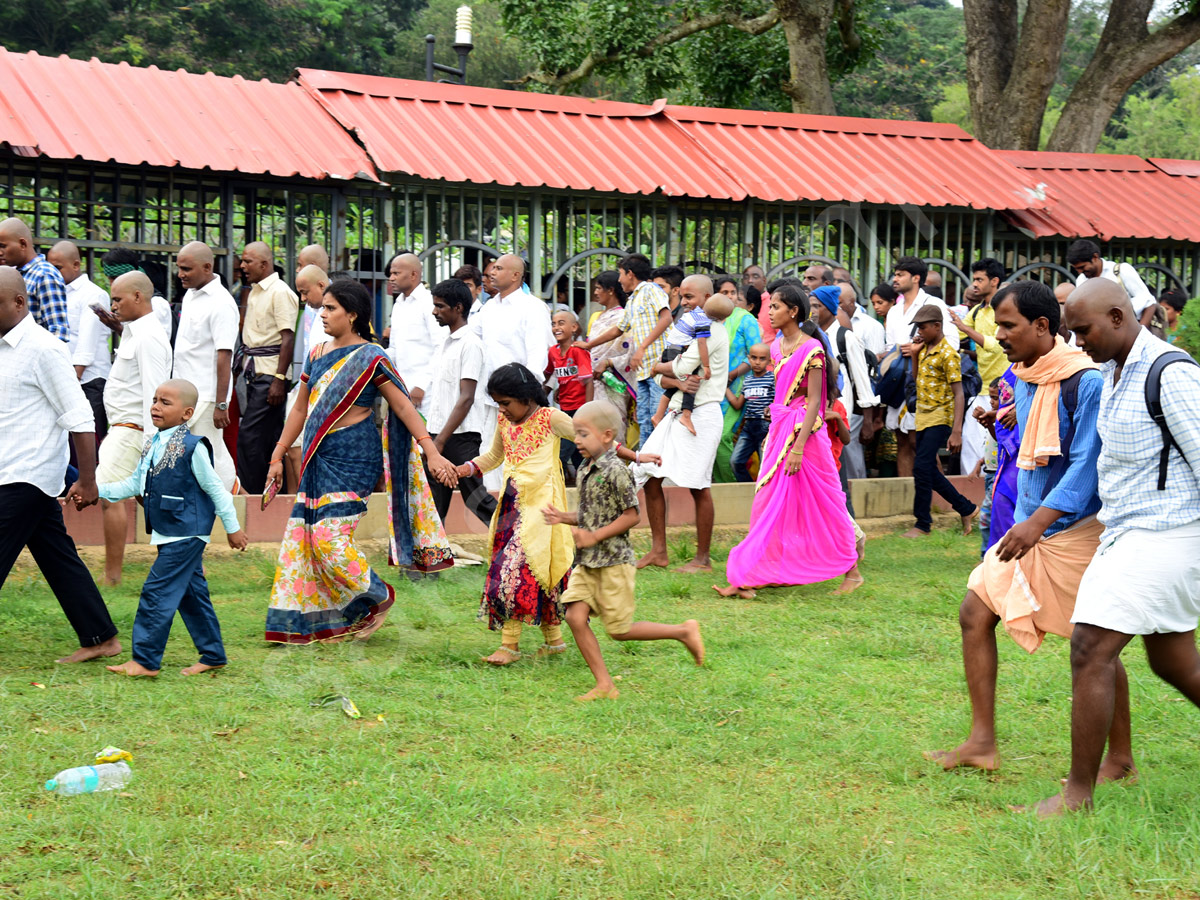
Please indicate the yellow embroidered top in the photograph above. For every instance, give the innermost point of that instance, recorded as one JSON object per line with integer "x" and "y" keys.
{"x": 529, "y": 452}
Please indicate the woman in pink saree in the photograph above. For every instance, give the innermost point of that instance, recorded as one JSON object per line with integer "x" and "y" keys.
{"x": 800, "y": 532}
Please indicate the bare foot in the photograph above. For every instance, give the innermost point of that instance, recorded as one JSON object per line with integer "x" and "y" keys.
{"x": 685, "y": 419}
{"x": 852, "y": 582}
{"x": 551, "y": 650}
{"x": 915, "y": 532}
{"x": 598, "y": 693}
{"x": 730, "y": 591}
{"x": 1054, "y": 806}
{"x": 112, "y": 581}
{"x": 693, "y": 641}
{"x": 504, "y": 656}
{"x": 363, "y": 633}
{"x": 694, "y": 566}
{"x": 966, "y": 520}
{"x": 968, "y": 755}
{"x": 133, "y": 670}
{"x": 653, "y": 558}
{"x": 111, "y": 647}
{"x": 198, "y": 668}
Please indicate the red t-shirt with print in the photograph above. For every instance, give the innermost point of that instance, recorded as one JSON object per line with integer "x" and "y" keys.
{"x": 570, "y": 369}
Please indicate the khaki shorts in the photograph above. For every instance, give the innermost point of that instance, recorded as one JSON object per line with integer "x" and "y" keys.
{"x": 608, "y": 593}
{"x": 120, "y": 452}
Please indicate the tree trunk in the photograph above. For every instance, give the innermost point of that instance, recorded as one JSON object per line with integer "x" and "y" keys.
{"x": 805, "y": 23}
{"x": 1011, "y": 67}
{"x": 1127, "y": 51}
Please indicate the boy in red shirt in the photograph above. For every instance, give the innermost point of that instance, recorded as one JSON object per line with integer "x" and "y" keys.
{"x": 571, "y": 366}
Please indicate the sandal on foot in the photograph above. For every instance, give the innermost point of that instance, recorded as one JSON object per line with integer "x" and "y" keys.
{"x": 513, "y": 656}
{"x": 551, "y": 649}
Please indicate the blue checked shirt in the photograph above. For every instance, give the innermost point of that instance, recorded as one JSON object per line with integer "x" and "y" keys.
{"x": 47, "y": 297}
{"x": 1132, "y": 444}
{"x": 1073, "y": 488}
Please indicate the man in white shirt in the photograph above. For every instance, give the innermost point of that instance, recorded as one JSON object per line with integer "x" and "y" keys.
{"x": 1085, "y": 261}
{"x": 868, "y": 328}
{"x": 454, "y": 409}
{"x": 908, "y": 277}
{"x": 857, "y": 391}
{"x": 41, "y": 402}
{"x": 114, "y": 264}
{"x": 208, "y": 330}
{"x": 89, "y": 338}
{"x": 414, "y": 333}
{"x": 143, "y": 362}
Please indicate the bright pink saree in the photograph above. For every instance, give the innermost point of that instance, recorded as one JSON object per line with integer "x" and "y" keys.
{"x": 800, "y": 532}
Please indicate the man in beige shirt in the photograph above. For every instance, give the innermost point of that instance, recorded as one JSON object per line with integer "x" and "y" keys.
{"x": 268, "y": 341}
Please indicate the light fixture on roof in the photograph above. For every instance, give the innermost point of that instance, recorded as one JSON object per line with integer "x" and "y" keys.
{"x": 462, "y": 46}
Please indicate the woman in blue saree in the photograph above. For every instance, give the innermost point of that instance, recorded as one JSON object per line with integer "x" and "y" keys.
{"x": 324, "y": 589}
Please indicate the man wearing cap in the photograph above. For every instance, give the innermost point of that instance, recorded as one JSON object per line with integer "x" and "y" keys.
{"x": 937, "y": 370}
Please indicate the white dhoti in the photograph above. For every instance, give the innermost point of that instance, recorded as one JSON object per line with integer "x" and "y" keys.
{"x": 1143, "y": 582}
{"x": 201, "y": 424}
{"x": 687, "y": 459}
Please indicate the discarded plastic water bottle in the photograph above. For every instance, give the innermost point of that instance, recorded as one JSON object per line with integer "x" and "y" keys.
{"x": 91, "y": 779}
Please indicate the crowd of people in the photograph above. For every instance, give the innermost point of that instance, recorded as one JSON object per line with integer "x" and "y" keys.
{"x": 1066, "y": 401}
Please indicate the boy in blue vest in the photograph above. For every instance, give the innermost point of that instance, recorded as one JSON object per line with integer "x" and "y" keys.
{"x": 182, "y": 496}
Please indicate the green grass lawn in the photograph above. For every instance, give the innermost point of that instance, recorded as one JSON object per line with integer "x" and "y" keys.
{"x": 789, "y": 766}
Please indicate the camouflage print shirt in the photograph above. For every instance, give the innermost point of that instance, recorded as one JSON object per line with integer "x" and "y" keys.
{"x": 606, "y": 490}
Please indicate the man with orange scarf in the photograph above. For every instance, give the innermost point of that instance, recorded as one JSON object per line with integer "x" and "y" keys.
{"x": 1030, "y": 578}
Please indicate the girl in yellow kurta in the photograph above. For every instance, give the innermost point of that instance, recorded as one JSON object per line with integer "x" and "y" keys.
{"x": 530, "y": 560}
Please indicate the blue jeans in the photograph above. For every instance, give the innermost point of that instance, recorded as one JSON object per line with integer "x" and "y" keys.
{"x": 648, "y": 394}
{"x": 927, "y": 478}
{"x": 176, "y": 582}
{"x": 754, "y": 431}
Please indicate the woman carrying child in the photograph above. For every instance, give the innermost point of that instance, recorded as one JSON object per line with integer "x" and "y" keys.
{"x": 800, "y": 532}
{"x": 324, "y": 589}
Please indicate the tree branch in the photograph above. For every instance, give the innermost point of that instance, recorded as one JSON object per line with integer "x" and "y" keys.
{"x": 561, "y": 80}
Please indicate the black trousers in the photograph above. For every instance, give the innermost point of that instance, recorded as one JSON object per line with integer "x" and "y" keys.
{"x": 927, "y": 478}
{"x": 258, "y": 431}
{"x": 28, "y": 518}
{"x": 94, "y": 391}
{"x": 461, "y": 448}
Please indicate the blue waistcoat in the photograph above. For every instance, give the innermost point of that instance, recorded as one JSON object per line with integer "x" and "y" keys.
{"x": 175, "y": 504}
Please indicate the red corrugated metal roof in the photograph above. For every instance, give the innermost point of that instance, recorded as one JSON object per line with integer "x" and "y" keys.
{"x": 1189, "y": 168}
{"x": 1111, "y": 196}
{"x": 488, "y": 136}
{"x": 86, "y": 109}
{"x": 783, "y": 156}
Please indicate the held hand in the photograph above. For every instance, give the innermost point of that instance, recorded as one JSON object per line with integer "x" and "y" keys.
{"x": 1018, "y": 541}
{"x": 794, "y": 459}
{"x": 275, "y": 473}
{"x": 985, "y": 417}
{"x": 443, "y": 470}
{"x": 554, "y": 516}
{"x": 466, "y": 470}
{"x": 83, "y": 495}
{"x": 1009, "y": 419}
{"x": 277, "y": 392}
{"x": 954, "y": 445}
{"x": 583, "y": 538}
{"x": 237, "y": 540}
{"x": 221, "y": 419}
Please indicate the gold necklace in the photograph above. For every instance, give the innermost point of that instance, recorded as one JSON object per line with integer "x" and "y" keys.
{"x": 788, "y": 351}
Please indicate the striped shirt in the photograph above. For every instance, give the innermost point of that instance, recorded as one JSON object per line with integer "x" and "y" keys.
{"x": 641, "y": 316}
{"x": 1131, "y": 444}
{"x": 759, "y": 391}
{"x": 47, "y": 296}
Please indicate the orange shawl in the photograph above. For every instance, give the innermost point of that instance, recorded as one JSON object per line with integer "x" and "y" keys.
{"x": 1040, "y": 439}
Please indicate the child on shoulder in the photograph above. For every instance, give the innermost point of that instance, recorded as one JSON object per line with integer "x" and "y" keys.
{"x": 530, "y": 558}
{"x": 182, "y": 496}
{"x": 693, "y": 324}
{"x": 603, "y": 579}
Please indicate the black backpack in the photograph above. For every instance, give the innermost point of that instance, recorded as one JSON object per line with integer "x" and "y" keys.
{"x": 1154, "y": 407}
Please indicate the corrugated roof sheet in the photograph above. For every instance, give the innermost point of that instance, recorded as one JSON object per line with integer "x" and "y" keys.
{"x": 488, "y": 136}
{"x": 783, "y": 156}
{"x": 1111, "y": 196}
{"x": 86, "y": 109}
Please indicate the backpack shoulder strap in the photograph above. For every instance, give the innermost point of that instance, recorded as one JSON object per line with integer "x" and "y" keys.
{"x": 1154, "y": 407}
{"x": 841, "y": 343}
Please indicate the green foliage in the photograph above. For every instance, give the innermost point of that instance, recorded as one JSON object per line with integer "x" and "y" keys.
{"x": 496, "y": 60}
{"x": 1164, "y": 125}
{"x": 1187, "y": 331}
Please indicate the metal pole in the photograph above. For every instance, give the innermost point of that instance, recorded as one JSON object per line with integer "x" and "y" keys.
{"x": 429, "y": 41}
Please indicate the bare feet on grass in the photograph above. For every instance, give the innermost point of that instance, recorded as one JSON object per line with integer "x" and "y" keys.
{"x": 504, "y": 656}
{"x": 696, "y": 565}
{"x": 654, "y": 558}
{"x": 133, "y": 670}
{"x": 1058, "y": 805}
{"x": 915, "y": 532}
{"x": 111, "y": 647}
{"x": 693, "y": 641}
{"x": 363, "y": 633}
{"x": 966, "y": 520}
{"x": 598, "y": 693}
{"x": 967, "y": 755}
{"x": 731, "y": 591}
{"x": 851, "y": 583}
{"x": 199, "y": 668}
{"x": 685, "y": 419}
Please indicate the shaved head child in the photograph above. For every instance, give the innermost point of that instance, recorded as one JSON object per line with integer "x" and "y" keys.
{"x": 603, "y": 578}
{"x": 182, "y": 496}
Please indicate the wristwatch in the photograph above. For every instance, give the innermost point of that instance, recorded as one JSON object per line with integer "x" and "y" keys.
{"x": 222, "y": 406}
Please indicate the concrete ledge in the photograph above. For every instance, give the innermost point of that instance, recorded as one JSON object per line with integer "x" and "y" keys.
{"x": 874, "y": 498}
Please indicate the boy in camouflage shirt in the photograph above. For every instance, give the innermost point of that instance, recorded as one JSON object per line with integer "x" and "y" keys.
{"x": 602, "y": 581}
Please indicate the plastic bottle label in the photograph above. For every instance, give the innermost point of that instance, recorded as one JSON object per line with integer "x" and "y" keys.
{"x": 91, "y": 780}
